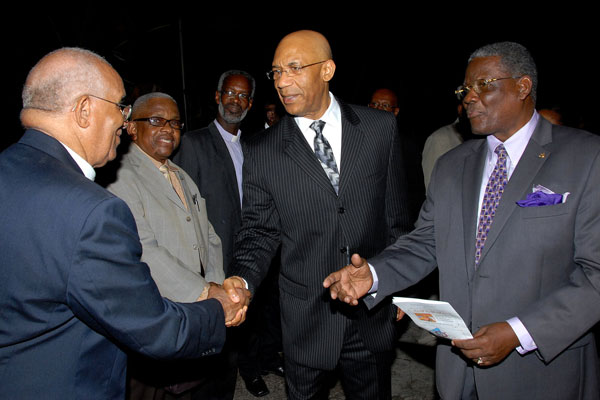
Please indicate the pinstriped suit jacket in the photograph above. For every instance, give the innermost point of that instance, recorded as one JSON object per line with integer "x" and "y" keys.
{"x": 288, "y": 199}
{"x": 175, "y": 240}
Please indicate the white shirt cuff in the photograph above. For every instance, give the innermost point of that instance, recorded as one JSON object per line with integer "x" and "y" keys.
{"x": 527, "y": 343}
{"x": 375, "y": 281}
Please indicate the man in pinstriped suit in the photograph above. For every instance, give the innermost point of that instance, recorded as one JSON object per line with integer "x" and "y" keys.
{"x": 290, "y": 200}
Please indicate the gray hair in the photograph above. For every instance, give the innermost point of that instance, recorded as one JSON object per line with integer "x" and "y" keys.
{"x": 515, "y": 58}
{"x": 232, "y": 72}
{"x": 141, "y": 101}
{"x": 78, "y": 73}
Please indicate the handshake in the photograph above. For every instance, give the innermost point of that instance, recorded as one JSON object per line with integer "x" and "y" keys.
{"x": 234, "y": 298}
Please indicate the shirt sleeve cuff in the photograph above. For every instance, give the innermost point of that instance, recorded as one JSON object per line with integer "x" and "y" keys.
{"x": 375, "y": 282}
{"x": 527, "y": 343}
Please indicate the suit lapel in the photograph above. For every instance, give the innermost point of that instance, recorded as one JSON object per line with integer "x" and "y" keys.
{"x": 352, "y": 138}
{"x": 153, "y": 178}
{"x": 521, "y": 181}
{"x": 471, "y": 185}
{"x": 223, "y": 152}
{"x": 296, "y": 147}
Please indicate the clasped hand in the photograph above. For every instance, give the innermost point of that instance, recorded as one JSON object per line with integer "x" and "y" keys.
{"x": 233, "y": 299}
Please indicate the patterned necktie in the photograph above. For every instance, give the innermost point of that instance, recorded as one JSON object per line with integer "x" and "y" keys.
{"x": 491, "y": 199}
{"x": 325, "y": 154}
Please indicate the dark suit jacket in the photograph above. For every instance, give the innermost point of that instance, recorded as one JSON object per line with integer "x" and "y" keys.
{"x": 74, "y": 294}
{"x": 204, "y": 156}
{"x": 289, "y": 200}
{"x": 541, "y": 264}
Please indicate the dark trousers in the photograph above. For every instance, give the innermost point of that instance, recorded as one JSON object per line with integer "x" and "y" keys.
{"x": 364, "y": 375}
{"x": 209, "y": 378}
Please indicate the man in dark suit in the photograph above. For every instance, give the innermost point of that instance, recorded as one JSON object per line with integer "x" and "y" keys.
{"x": 319, "y": 205}
{"x": 74, "y": 293}
{"x": 213, "y": 157}
{"x": 513, "y": 223}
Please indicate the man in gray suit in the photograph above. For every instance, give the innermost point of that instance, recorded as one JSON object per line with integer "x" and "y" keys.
{"x": 513, "y": 223}
{"x": 179, "y": 243}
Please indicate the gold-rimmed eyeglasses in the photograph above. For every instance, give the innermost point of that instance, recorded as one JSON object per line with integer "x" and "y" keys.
{"x": 480, "y": 85}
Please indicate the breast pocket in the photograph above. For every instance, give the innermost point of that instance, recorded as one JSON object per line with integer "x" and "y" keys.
{"x": 545, "y": 211}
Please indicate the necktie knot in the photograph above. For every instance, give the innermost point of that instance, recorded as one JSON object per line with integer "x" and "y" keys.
{"x": 501, "y": 152}
{"x": 317, "y": 126}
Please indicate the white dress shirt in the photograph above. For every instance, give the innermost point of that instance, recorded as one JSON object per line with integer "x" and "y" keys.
{"x": 332, "y": 131}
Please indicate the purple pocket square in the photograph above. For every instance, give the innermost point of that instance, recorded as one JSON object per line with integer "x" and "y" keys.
{"x": 540, "y": 198}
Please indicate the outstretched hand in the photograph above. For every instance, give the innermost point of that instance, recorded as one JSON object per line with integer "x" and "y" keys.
{"x": 351, "y": 282}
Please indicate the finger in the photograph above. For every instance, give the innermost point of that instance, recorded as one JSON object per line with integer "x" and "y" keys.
{"x": 467, "y": 344}
{"x": 357, "y": 260}
{"x": 230, "y": 287}
{"x": 236, "y": 320}
{"x": 331, "y": 279}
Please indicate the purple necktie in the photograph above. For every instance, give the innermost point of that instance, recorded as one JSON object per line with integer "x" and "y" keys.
{"x": 325, "y": 154}
{"x": 491, "y": 199}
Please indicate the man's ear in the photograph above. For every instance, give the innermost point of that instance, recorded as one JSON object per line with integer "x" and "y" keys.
{"x": 82, "y": 112}
{"x": 525, "y": 85}
{"x": 131, "y": 130}
{"x": 217, "y": 97}
{"x": 328, "y": 70}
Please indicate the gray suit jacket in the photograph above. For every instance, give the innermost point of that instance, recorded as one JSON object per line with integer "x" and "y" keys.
{"x": 175, "y": 240}
{"x": 541, "y": 264}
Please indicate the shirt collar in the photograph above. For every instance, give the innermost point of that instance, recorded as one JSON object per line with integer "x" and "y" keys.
{"x": 156, "y": 163}
{"x": 516, "y": 144}
{"x": 332, "y": 116}
{"x": 228, "y": 137}
{"x": 85, "y": 166}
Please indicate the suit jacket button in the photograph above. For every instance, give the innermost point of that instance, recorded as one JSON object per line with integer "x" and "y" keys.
{"x": 188, "y": 218}
{"x": 343, "y": 250}
{"x": 341, "y": 210}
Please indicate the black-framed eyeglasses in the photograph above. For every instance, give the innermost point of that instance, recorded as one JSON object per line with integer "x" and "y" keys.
{"x": 480, "y": 85}
{"x": 293, "y": 70}
{"x": 125, "y": 109}
{"x": 160, "y": 122}
{"x": 381, "y": 106}
{"x": 241, "y": 96}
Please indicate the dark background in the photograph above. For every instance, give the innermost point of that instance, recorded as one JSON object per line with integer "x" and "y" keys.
{"x": 420, "y": 54}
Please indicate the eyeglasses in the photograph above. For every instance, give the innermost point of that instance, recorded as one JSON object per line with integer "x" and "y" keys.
{"x": 293, "y": 70}
{"x": 381, "y": 106}
{"x": 160, "y": 122}
{"x": 125, "y": 109}
{"x": 480, "y": 85}
{"x": 240, "y": 96}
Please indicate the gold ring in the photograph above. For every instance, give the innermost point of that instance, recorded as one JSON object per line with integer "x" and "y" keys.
{"x": 479, "y": 361}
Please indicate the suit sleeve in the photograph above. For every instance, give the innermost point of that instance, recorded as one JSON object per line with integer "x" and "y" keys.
{"x": 112, "y": 291}
{"x": 175, "y": 280}
{"x": 259, "y": 238}
{"x": 560, "y": 318}
{"x": 409, "y": 259}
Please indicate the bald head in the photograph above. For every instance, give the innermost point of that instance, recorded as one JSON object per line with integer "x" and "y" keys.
{"x": 60, "y": 77}
{"x": 304, "y": 65}
{"x": 308, "y": 42}
{"x": 72, "y": 95}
